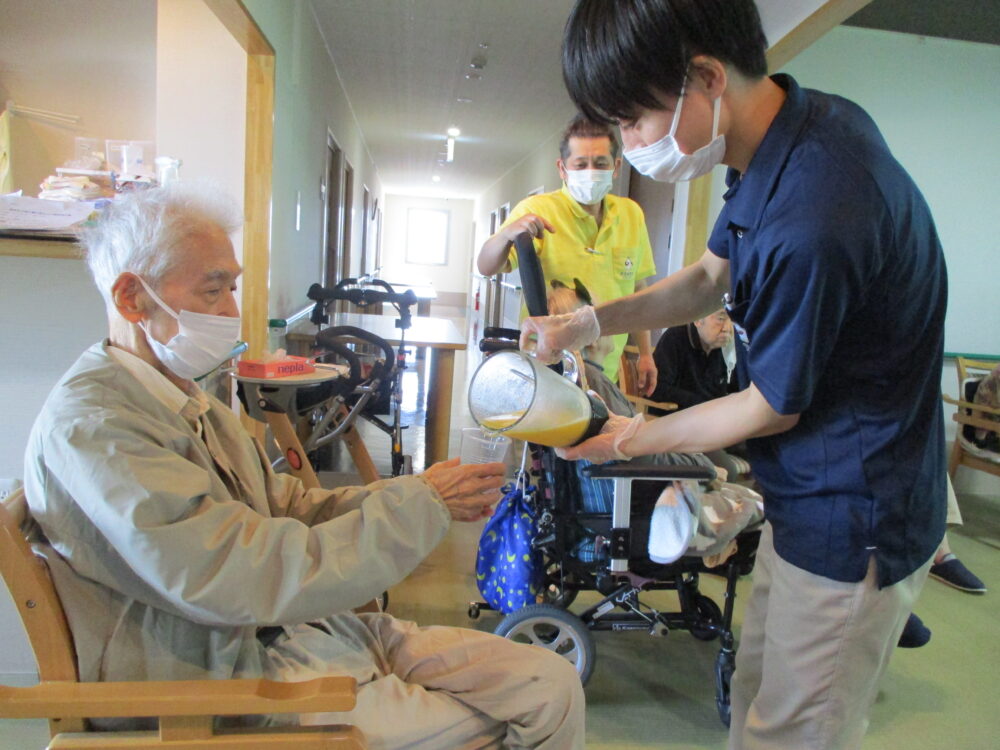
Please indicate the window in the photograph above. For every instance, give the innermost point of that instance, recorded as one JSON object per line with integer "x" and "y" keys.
{"x": 427, "y": 236}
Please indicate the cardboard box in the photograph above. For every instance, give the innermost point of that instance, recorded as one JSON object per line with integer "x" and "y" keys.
{"x": 281, "y": 368}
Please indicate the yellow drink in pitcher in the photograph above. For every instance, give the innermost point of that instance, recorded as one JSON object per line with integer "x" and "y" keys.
{"x": 552, "y": 435}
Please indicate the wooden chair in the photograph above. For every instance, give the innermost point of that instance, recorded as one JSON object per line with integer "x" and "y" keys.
{"x": 185, "y": 709}
{"x": 969, "y": 416}
{"x": 628, "y": 383}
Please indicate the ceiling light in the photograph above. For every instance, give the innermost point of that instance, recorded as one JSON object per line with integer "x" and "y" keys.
{"x": 473, "y": 76}
{"x": 478, "y": 62}
{"x": 464, "y": 100}
{"x": 436, "y": 178}
{"x": 451, "y": 150}
{"x": 454, "y": 132}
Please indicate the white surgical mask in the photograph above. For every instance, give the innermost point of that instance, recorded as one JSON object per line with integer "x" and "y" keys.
{"x": 589, "y": 186}
{"x": 665, "y": 162}
{"x": 201, "y": 344}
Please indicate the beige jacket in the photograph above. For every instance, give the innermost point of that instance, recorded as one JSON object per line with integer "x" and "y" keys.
{"x": 170, "y": 539}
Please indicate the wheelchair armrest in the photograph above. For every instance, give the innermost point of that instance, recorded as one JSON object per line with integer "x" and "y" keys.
{"x": 645, "y": 471}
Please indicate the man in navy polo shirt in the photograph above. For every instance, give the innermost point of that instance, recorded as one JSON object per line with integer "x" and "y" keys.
{"x": 829, "y": 265}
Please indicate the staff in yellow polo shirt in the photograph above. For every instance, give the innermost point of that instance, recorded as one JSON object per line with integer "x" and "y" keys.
{"x": 584, "y": 232}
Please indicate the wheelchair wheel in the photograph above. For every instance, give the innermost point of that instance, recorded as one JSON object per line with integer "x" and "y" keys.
{"x": 554, "y": 591}
{"x": 708, "y": 612}
{"x": 555, "y": 629}
{"x": 724, "y": 667}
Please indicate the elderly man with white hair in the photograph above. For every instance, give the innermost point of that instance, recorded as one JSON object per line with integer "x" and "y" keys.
{"x": 179, "y": 554}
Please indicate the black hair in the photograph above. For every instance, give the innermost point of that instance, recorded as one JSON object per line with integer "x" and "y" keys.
{"x": 618, "y": 55}
{"x": 581, "y": 127}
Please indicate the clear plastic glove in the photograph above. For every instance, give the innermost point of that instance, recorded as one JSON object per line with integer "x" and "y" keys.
{"x": 607, "y": 445}
{"x": 554, "y": 333}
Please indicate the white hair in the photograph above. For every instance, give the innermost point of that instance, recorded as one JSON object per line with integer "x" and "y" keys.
{"x": 141, "y": 231}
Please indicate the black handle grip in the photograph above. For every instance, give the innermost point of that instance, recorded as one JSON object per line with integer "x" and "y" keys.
{"x": 490, "y": 345}
{"x": 648, "y": 471}
{"x": 361, "y": 297}
{"x": 353, "y": 362}
{"x": 328, "y": 338}
{"x": 532, "y": 278}
{"x": 494, "y": 332}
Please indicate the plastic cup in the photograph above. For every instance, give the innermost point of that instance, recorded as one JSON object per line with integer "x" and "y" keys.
{"x": 480, "y": 448}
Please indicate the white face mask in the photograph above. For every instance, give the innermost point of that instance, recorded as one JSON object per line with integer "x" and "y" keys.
{"x": 665, "y": 162}
{"x": 201, "y": 344}
{"x": 589, "y": 186}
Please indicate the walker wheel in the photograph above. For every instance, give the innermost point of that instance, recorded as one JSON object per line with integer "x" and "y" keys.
{"x": 708, "y": 613}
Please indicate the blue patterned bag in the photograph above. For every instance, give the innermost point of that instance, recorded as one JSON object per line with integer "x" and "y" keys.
{"x": 508, "y": 570}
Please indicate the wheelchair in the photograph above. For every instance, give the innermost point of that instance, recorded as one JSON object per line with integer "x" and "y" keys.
{"x": 597, "y": 541}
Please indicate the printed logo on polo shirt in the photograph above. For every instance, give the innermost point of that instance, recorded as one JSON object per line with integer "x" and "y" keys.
{"x": 628, "y": 269}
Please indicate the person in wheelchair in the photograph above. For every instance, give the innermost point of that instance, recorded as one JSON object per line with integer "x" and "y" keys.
{"x": 691, "y": 369}
{"x": 180, "y": 555}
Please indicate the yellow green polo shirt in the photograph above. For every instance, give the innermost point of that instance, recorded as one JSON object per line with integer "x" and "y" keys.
{"x": 608, "y": 259}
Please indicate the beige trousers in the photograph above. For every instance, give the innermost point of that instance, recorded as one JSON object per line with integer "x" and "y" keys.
{"x": 811, "y": 654}
{"x": 438, "y": 688}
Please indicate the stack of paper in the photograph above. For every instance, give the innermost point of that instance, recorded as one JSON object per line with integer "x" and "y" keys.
{"x": 22, "y": 215}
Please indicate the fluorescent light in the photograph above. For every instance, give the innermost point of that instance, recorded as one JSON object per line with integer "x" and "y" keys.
{"x": 436, "y": 178}
{"x": 454, "y": 132}
{"x": 451, "y": 150}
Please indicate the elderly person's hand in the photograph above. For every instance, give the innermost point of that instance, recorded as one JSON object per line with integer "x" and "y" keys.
{"x": 554, "y": 333}
{"x": 607, "y": 446}
{"x": 646, "y": 373}
{"x": 470, "y": 490}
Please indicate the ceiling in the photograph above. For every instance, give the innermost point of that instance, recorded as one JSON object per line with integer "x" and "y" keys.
{"x": 966, "y": 20}
{"x": 404, "y": 65}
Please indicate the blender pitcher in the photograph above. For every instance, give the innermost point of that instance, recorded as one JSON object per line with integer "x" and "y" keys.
{"x": 516, "y": 395}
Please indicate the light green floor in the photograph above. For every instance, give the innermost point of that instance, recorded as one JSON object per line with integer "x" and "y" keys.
{"x": 658, "y": 692}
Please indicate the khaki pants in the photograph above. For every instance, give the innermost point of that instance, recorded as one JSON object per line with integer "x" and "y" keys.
{"x": 812, "y": 652}
{"x": 441, "y": 687}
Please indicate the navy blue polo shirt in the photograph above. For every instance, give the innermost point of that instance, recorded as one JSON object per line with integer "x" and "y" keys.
{"x": 839, "y": 289}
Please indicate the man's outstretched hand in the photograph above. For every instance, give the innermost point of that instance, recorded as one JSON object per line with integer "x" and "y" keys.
{"x": 469, "y": 491}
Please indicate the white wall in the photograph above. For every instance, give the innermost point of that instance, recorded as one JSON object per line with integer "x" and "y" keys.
{"x": 51, "y": 312}
{"x": 95, "y": 59}
{"x": 452, "y": 279}
{"x": 204, "y": 125}
{"x": 309, "y": 102}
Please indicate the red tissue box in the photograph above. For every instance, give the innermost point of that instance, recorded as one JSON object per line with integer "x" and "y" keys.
{"x": 281, "y": 368}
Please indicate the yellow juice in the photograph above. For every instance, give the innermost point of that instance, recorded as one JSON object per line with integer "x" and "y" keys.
{"x": 554, "y": 435}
